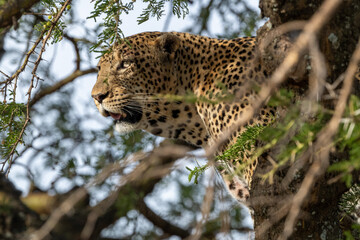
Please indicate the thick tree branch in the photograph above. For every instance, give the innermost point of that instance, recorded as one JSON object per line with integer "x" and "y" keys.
{"x": 12, "y": 10}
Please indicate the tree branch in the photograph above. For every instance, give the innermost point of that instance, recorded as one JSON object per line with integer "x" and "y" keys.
{"x": 60, "y": 84}
{"x": 158, "y": 221}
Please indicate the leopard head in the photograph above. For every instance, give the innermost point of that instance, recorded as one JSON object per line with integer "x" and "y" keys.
{"x": 131, "y": 81}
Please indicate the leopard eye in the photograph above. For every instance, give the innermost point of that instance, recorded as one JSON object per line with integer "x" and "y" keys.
{"x": 123, "y": 65}
{"x": 126, "y": 64}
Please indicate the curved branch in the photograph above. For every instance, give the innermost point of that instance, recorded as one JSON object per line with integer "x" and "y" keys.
{"x": 74, "y": 41}
{"x": 60, "y": 84}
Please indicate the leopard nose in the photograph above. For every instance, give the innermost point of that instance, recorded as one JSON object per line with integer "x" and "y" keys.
{"x": 100, "y": 97}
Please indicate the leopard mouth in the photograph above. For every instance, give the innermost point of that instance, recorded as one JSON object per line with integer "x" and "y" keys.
{"x": 130, "y": 114}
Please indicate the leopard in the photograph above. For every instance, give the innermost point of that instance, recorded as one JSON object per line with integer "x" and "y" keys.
{"x": 175, "y": 85}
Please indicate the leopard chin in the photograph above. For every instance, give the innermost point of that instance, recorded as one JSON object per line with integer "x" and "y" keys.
{"x": 124, "y": 127}
{"x": 126, "y": 121}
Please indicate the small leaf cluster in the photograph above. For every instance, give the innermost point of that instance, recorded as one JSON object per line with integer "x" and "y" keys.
{"x": 127, "y": 200}
{"x": 244, "y": 143}
{"x": 293, "y": 135}
{"x": 155, "y": 8}
{"x": 111, "y": 32}
{"x": 52, "y": 8}
{"x": 196, "y": 172}
{"x": 355, "y": 231}
{"x": 12, "y": 118}
{"x": 283, "y": 97}
{"x": 114, "y": 9}
{"x": 350, "y": 200}
{"x": 350, "y": 204}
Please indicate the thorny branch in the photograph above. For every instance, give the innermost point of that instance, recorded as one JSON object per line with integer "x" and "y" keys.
{"x": 9, "y": 159}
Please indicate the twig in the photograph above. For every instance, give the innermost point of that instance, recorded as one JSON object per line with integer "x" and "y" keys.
{"x": 318, "y": 78}
{"x": 206, "y": 206}
{"x": 316, "y": 85}
{"x": 76, "y": 48}
{"x": 280, "y": 30}
{"x": 4, "y": 75}
{"x": 276, "y": 216}
{"x": 168, "y": 18}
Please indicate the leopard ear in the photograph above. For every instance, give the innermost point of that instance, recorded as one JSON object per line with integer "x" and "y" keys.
{"x": 167, "y": 44}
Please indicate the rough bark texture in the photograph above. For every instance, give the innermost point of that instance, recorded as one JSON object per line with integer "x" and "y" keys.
{"x": 320, "y": 218}
{"x": 12, "y": 10}
{"x": 10, "y": 13}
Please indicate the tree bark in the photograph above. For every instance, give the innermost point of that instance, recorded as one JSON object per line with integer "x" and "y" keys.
{"x": 320, "y": 216}
{"x": 10, "y": 13}
{"x": 12, "y": 10}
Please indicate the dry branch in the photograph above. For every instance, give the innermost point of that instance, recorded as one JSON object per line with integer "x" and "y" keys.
{"x": 205, "y": 207}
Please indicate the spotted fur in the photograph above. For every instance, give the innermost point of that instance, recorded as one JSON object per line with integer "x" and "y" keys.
{"x": 135, "y": 78}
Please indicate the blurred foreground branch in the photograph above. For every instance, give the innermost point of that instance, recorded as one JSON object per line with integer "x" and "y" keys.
{"x": 151, "y": 169}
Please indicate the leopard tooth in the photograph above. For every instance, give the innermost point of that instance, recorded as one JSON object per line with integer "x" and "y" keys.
{"x": 124, "y": 115}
